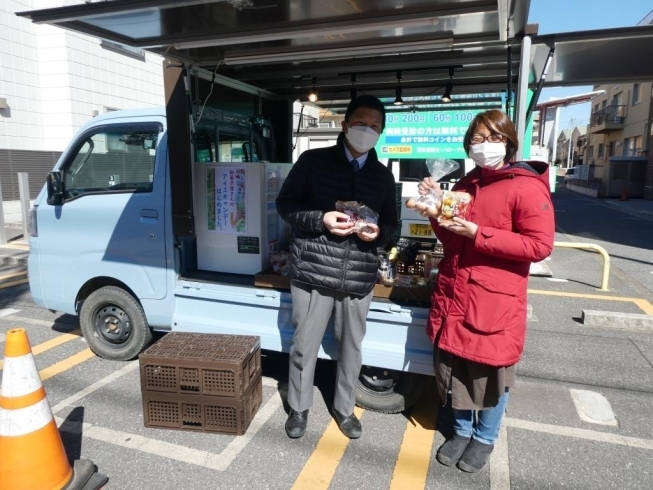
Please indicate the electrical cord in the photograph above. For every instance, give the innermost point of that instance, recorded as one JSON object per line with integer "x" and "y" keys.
{"x": 199, "y": 118}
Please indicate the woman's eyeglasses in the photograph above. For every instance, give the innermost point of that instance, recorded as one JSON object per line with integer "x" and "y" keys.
{"x": 479, "y": 138}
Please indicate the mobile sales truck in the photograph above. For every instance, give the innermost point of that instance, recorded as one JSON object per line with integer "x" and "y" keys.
{"x": 163, "y": 219}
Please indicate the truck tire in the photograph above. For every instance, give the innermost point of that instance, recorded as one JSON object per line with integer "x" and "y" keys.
{"x": 114, "y": 324}
{"x": 387, "y": 391}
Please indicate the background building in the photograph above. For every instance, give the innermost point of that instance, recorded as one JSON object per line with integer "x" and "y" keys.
{"x": 52, "y": 81}
{"x": 618, "y": 139}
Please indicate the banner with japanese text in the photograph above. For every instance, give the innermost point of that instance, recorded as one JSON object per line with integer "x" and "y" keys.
{"x": 227, "y": 199}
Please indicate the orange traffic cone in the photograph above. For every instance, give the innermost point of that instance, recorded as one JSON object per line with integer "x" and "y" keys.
{"x": 624, "y": 193}
{"x": 32, "y": 454}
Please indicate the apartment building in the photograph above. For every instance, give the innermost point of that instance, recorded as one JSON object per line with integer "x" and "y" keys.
{"x": 620, "y": 137}
{"x": 52, "y": 81}
{"x": 619, "y": 140}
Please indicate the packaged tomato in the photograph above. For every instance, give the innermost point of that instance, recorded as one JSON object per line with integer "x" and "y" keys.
{"x": 454, "y": 205}
{"x": 432, "y": 201}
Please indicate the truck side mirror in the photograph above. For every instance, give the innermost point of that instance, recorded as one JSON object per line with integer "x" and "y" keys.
{"x": 55, "y": 189}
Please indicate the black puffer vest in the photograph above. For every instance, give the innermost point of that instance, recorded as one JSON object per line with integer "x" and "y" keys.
{"x": 319, "y": 179}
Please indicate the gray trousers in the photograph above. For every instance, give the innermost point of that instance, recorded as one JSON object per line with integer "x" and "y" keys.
{"x": 311, "y": 310}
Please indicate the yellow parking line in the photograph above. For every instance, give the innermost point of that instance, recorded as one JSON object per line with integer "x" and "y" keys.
{"x": 15, "y": 283}
{"x": 412, "y": 466}
{"x": 13, "y": 274}
{"x": 321, "y": 466}
{"x": 66, "y": 364}
{"x": 52, "y": 343}
{"x": 645, "y": 306}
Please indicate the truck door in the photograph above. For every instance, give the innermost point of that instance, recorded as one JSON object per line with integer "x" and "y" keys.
{"x": 111, "y": 223}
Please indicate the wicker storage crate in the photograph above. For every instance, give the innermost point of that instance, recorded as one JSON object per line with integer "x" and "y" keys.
{"x": 201, "y": 365}
{"x": 202, "y": 413}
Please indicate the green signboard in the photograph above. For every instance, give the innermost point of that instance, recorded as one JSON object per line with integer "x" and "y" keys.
{"x": 432, "y": 135}
{"x": 425, "y": 134}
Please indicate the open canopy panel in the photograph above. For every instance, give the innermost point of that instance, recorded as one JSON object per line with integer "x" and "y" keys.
{"x": 595, "y": 57}
{"x": 291, "y": 46}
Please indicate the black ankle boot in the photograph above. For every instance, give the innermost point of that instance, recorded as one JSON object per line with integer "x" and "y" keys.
{"x": 451, "y": 451}
{"x": 475, "y": 456}
{"x": 296, "y": 423}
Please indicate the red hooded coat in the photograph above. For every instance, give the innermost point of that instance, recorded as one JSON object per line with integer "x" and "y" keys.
{"x": 479, "y": 304}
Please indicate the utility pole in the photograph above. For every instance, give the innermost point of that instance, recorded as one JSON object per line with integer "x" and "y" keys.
{"x": 572, "y": 121}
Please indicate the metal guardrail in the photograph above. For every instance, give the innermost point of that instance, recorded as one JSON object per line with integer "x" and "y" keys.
{"x": 590, "y": 246}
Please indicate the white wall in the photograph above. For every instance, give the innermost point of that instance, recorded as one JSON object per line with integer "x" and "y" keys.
{"x": 54, "y": 79}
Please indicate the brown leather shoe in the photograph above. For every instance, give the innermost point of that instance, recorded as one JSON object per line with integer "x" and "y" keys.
{"x": 349, "y": 425}
{"x": 296, "y": 423}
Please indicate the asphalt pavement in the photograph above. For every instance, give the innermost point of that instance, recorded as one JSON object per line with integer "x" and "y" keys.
{"x": 581, "y": 416}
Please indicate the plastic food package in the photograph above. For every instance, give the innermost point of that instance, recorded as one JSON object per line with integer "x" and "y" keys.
{"x": 454, "y": 205}
{"x": 280, "y": 263}
{"x": 359, "y": 214}
{"x": 431, "y": 202}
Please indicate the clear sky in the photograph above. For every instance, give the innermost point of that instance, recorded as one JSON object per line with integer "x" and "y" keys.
{"x": 582, "y": 15}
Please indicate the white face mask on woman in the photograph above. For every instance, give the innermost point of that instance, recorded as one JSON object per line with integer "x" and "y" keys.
{"x": 488, "y": 155}
{"x": 362, "y": 138}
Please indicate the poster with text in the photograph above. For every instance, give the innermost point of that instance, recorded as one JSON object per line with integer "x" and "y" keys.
{"x": 227, "y": 200}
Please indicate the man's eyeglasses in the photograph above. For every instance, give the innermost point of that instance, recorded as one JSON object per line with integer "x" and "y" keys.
{"x": 479, "y": 138}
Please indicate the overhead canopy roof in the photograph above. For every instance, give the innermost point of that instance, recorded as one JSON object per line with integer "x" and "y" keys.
{"x": 287, "y": 46}
{"x": 569, "y": 100}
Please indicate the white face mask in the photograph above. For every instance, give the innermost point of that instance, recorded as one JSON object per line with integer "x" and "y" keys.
{"x": 362, "y": 138}
{"x": 488, "y": 155}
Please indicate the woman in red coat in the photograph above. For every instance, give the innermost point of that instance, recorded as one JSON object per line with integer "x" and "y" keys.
{"x": 477, "y": 320}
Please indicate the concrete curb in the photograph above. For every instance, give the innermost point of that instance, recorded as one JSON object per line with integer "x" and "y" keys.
{"x": 540, "y": 269}
{"x": 614, "y": 319}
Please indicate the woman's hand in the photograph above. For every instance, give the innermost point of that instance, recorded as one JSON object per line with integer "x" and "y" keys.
{"x": 461, "y": 227}
{"x": 429, "y": 185}
{"x": 338, "y": 223}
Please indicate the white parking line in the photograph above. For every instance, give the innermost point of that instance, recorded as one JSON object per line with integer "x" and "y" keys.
{"x": 94, "y": 387}
{"x": 234, "y": 448}
{"x": 177, "y": 452}
{"x": 7, "y": 311}
{"x": 499, "y": 463}
{"x": 593, "y": 407}
{"x": 219, "y": 462}
{"x": 586, "y": 434}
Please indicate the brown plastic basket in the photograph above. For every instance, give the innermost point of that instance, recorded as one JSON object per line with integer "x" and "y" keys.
{"x": 202, "y": 413}
{"x": 201, "y": 364}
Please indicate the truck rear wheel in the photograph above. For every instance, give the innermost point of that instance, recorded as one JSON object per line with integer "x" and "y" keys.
{"x": 388, "y": 391}
{"x": 114, "y": 324}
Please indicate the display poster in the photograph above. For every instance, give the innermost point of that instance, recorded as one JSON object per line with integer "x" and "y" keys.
{"x": 227, "y": 199}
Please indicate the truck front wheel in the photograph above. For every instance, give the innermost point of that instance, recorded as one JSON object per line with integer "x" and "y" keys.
{"x": 114, "y": 324}
{"x": 388, "y": 391}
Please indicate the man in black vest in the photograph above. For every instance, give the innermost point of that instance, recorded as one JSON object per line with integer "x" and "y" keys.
{"x": 334, "y": 268}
